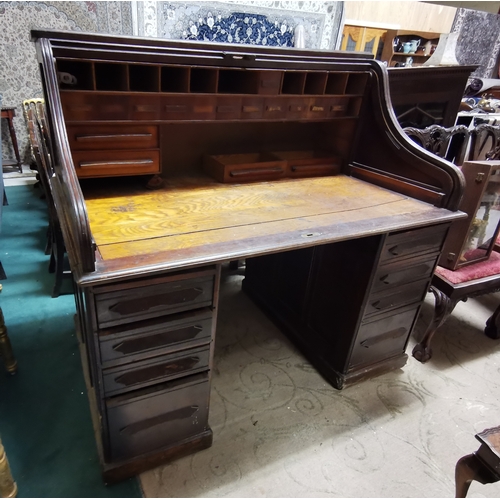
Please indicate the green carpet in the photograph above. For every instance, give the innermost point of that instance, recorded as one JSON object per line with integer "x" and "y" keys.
{"x": 45, "y": 422}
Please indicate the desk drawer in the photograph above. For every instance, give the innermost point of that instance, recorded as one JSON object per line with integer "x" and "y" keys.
{"x": 109, "y": 163}
{"x": 155, "y": 337}
{"x": 156, "y": 417}
{"x": 151, "y": 371}
{"x": 152, "y": 301}
{"x": 413, "y": 242}
{"x": 403, "y": 272}
{"x": 383, "y": 338}
{"x": 386, "y": 300}
{"x": 99, "y": 137}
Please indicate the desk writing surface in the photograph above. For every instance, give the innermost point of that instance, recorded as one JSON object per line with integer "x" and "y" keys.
{"x": 188, "y": 223}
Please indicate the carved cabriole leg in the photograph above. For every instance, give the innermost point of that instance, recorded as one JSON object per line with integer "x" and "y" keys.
{"x": 8, "y": 488}
{"x": 492, "y": 328}
{"x": 443, "y": 308}
{"x": 6, "y": 353}
{"x": 471, "y": 468}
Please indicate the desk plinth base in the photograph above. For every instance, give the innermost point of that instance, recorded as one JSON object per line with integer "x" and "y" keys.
{"x": 118, "y": 471}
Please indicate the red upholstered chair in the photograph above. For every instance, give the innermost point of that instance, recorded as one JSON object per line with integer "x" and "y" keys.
{"x": 450, "y": 287}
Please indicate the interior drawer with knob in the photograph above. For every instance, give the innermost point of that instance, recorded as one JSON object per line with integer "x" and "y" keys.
{"x": 155, "y": 417}
{"x": 154, "y": 370}
{"x": 387, "y": 300}
{"x": 414, "y": 242}
{"x": 379, "y": 339}
{"x": 99, "y": 137}
{"x": 154, "y": 337}
{"x": 137, "y": 304}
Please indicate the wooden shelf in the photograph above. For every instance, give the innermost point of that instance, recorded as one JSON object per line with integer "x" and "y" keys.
{"x": 396, "y": 58}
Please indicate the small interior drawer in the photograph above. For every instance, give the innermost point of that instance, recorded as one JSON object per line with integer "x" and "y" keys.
{"x": 153, "y": 418}
{"x": 243, "y": 167}
{"x": 135, "y": 304}
{"x": 309, "y": 163}
{"x": 154, "y": 370}
{"x": 382, "y": 338}
{"x": 116, "y": 162}
{"x": 99, "y": 137}
{"x": 413, "y": 242}
{"x": 155, "y": 337}
{"x": 387, "y": 300}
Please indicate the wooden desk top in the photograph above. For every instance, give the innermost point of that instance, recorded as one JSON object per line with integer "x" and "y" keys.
{"x": 188, "y": 223}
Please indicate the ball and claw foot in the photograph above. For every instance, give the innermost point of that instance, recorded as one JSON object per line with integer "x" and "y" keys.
{"x": 421, "y": 353}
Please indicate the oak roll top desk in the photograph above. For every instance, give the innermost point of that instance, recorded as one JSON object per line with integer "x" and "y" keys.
{"x": 289, "y": 159}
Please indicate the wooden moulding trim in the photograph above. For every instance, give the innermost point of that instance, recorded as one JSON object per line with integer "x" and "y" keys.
{"x": 397, "y": 184}
{"x": 71, "y": 206}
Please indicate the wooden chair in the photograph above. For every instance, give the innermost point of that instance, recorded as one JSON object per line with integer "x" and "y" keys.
{"x": 482, "y": 466}
{"x": 450, "y": 287}
{"x": 40, "y": 146}
{"x": 450, "y": 143}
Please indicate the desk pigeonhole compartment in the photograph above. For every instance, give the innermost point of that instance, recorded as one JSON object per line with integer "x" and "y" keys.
{"x": 152, "y": 418}
{"x": 137, "y": 304}
{"x": 154, "y": 370}
{"x": 154, "y": 337}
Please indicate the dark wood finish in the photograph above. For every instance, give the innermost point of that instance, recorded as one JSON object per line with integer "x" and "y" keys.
{"x": 8, "y": 114}
{"x": 324, "y": 248}
{"x": 428, "y": 95}
{"x": 482, "y": 466}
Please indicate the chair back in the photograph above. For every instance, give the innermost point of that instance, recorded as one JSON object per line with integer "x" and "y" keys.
{"x": 485, "y": 142}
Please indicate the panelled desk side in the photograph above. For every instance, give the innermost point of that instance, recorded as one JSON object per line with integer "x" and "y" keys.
{"x": 342, "y": 263}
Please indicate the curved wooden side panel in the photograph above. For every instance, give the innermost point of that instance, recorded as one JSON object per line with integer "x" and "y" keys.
{"x": 66, "y": 188}
{"x": 381, "y": 141}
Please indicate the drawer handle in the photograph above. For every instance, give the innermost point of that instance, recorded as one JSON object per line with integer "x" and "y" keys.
{"x": 273, "y": 108}
{"x": 226, "y": 109}
{"x": 250, "y": 109}
{"x": 136, "y": 305}
{"x": 158, "y": 371}
{"x": 414, "y": 272}
{"x": 85, "y": 164}
{"x": 144, "y": 425}
{"x": 112, "y": 137}
{"x": 392, "y": 334}
{"x": 159, "y": 340}
{"x": 256, "y": 171}
{"x": 394, "y": 250}
{"x": 317, "y": 108}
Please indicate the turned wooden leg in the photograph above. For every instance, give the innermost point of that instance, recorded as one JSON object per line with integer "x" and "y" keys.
{"x": 492, "y": 328}
{"x": 443, "y": 308}
{"x": 471, "y": 468}
{"x": 8, "y": 488}
{"x": 6, "y": 353}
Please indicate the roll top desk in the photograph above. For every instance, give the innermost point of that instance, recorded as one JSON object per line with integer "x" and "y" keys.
{"x": 289, "y": 159}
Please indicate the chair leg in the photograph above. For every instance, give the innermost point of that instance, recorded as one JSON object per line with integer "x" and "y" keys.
{"x": 8, "y": 487}
{"x": 443, "y": 308}
{"x": 59, "y": 266}
{"x": 6, "y": 353}
{"x": 470, "y": 468}
{"x": 492, "y": 329}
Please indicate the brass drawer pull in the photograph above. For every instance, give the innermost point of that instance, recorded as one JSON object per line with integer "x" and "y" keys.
{"x": 273, "y": 108}
{"x": 317, "y": 108}
{"x": 111, "y": 137}
{"x": 84, "y": 164}
{"x": 256, "y": 171}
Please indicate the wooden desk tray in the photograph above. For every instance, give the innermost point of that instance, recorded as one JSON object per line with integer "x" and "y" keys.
{"x": 270, "y": 166}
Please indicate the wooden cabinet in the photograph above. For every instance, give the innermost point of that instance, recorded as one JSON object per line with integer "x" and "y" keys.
{"x": 408, "y": 48}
